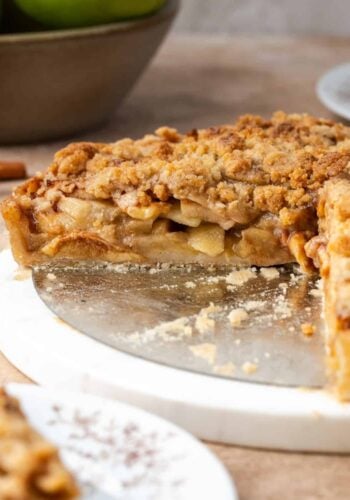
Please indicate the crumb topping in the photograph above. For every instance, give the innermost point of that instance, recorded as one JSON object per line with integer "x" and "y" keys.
{"x": 255, "y": 164}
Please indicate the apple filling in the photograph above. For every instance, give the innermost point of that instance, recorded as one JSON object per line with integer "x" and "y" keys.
{"x": 180, "y": 231}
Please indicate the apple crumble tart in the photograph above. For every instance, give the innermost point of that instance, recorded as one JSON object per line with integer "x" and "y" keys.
{"x": 30, "y": 466}
{"x": 257, "y": 192}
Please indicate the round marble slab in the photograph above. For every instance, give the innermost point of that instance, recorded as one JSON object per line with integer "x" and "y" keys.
{"x": 217, "y": 409}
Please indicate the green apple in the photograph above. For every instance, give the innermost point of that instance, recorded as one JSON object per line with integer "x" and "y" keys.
{"x": 75, "y": 13}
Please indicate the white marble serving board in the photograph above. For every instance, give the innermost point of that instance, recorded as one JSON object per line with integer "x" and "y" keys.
{"x": 57, "y": 356}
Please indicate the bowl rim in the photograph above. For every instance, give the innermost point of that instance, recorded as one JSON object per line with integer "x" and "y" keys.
{"x": 168, "y": 10}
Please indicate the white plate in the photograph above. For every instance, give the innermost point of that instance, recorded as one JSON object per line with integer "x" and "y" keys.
{"x": 119, "y": 452}
{"x": 333, "y": 89}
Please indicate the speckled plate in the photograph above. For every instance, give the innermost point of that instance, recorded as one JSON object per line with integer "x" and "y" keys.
{"x": 119, "y": 452}
{"x": 333, "y": 90}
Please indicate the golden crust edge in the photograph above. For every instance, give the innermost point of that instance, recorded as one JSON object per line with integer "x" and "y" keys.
{"x": 80, "y": 245}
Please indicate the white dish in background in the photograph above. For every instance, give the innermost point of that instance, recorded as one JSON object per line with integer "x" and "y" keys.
{"x": 214, "y": 408}
{"x": 119, "y": 452}
{"x": 333, "y": 90}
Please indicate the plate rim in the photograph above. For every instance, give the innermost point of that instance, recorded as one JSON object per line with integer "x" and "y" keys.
{"x": 17, "y": 389}
{"x": 324, "y": 95}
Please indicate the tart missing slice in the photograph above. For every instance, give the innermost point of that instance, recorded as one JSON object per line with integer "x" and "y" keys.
{"x": 241, "y": 194}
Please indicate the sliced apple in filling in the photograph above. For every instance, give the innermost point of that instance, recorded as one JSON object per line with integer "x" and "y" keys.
{"x": 208, "y": 239}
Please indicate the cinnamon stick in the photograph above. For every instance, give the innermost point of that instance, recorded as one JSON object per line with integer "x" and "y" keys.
{"x": 12, "y": 170}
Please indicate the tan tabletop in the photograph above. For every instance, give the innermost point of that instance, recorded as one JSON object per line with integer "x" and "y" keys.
{"x": 199, "y": 82}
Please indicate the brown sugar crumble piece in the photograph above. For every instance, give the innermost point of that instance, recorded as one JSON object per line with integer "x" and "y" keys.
{"x": 308, "y": 329}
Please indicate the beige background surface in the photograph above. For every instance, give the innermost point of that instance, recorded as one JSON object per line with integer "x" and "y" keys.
{"x": 329, "y": 17}
{"x": 195, "y": 81}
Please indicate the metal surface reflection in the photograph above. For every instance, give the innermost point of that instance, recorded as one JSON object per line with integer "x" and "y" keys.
{"x": 124, "y": 305}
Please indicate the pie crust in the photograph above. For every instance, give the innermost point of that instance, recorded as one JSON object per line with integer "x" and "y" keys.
{"x": 252, "y": 193}
{"x": 30, "y": 466}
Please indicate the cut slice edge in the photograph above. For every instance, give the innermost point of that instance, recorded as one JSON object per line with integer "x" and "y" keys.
{"x": 82, "y": 230}
{"x": 331, "y": 253}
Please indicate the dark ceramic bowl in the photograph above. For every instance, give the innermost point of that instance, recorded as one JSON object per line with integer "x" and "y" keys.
{"x": 57, "y": 83}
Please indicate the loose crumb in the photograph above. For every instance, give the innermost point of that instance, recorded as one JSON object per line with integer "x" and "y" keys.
{"x": 226, "y": 369}
{"x": 205, "y": 351}
{"x": 212, "y": 308}
{"x": 204, "y": 324}
{"x": 252, "y": 305}
{"x": 51, "y": 276}
{"x": 190, "y": 284}
{"x": 239, "y": 277}
{"x": 22, "y": 273}
{"x": 282, "y": 308}
{"x": 178, "y": 326}
{"x": 236, "y": 316}
{"x": 249, "y": 367}
{"x": 293, "y": 278}
{"x": 169, "y": 331}
{"x": 269, "y": 273}
{"x": 308, "y": 329}
{"x": 213, "y": 279}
